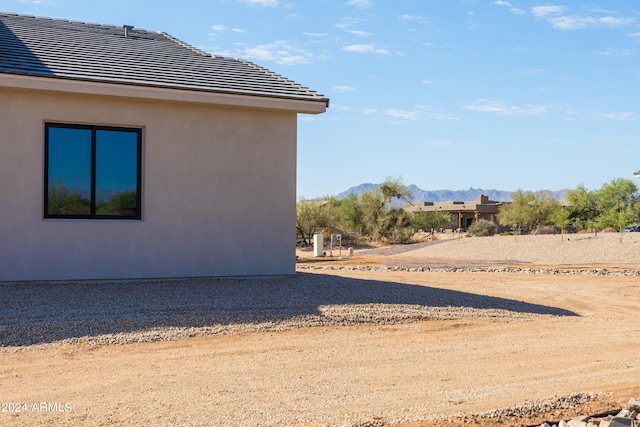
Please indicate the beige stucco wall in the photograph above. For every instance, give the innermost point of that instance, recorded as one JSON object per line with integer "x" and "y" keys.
{"x": 218, "y": 192}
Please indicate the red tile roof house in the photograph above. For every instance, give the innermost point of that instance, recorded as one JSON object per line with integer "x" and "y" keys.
{"x": 127, "y": 153}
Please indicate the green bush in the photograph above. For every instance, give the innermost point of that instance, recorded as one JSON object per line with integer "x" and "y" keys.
{"x": 482, "y": 228}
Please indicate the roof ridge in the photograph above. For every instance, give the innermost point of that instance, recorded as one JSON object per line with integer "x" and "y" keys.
{"x": 184, "y": 44}
{"x": 70, "y": 21}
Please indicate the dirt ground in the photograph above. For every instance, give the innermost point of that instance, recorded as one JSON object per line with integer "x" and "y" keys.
{"x": 406, "y": 375}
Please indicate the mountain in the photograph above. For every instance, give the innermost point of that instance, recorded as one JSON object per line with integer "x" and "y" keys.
{"x": 419, "y": 195}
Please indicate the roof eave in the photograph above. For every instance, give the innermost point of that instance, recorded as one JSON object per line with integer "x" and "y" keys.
{"x": 160, "y": 93}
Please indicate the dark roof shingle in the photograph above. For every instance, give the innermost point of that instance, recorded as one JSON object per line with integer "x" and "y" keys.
{"x": 76, "y": 50}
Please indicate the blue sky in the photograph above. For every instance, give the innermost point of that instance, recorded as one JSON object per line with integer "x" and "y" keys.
{"x": 445, "y": 94}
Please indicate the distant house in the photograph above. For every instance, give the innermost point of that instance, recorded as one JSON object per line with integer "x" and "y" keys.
{"x": 127, "y": 153}
{"x": 464, "y": 213}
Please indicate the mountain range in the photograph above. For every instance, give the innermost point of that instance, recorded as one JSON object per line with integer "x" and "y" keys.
{"x": 419, "y": 195}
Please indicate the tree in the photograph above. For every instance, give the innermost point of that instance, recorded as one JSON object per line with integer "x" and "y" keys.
{"x": 64, "y": 202}
{"x": 379, "y": 218}
{"x": 422, "y": 220}
{"x": 313, "y": 216}
{"x": 561, "y": 219}
{"x": 330, "y": 213}
{"x": 529, "y": 210}
{"x": 585, "y": 208}
{"x": 350, "y": 212}
{"x": 120, "y": 204}
{"x": 307, "y": 220}
{"x": 618, "y": 200}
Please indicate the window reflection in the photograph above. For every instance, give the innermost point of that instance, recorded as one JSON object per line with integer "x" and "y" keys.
{"x": 69, "y": 172}
{"x": 116, "y": 173}
{"x": 92, "y": 172}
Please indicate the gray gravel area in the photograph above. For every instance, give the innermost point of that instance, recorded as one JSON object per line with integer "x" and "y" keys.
{"x": 570, "y": 249}
{"x": 156, "y": 310}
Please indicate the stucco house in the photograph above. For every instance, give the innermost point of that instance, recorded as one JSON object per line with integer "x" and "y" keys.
{"x": 464, "y": 213}
{"x": 127, "y": 153}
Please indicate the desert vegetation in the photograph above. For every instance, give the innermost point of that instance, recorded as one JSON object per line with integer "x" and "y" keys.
{"x": 376, "y": 216}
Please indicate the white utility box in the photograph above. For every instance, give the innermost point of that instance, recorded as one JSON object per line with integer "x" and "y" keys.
{"x": 318, "y": 245}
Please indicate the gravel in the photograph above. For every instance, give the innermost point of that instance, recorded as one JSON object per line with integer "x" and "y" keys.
{"x": 115, "y": 312}
{"x": 121, "y": 312}
{"x": 570, "y": 249}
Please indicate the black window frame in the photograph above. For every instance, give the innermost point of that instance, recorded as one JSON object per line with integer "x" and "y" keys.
{"x": 94, "y": 129}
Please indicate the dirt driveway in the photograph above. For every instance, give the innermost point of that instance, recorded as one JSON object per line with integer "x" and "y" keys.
{"x": 420, "y": 372}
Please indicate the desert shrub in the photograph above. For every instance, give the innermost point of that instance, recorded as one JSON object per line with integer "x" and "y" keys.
{"x": 400, "y": 235}
{"x": 482, "y": 228}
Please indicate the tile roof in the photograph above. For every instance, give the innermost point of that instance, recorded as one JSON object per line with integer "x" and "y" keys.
{"x": 58, "y": 48}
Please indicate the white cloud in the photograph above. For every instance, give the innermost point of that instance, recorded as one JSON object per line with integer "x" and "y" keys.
{"x": 221, "y": 28}
{"x": 497, "y": 107}
{"x": 280, "y": 52}
{"x": 572, "y": 22}
{"x": 340, "y": 88}
{"x": 397, "y": 113}
{"x": 347, "y": 23}
{"x": 260, "y": 2}
{"x": 517, "y": 11}
{"x": 359, "y": 33}
{"x": 407, "y": 17}
{"x": 365, "y": 48}
{"x": 603, "y": 11}
{"x": 340, "y": 107}
{"x": 428, "y": 112}
{"x": 428, "y": 82}
{"x": 419, "y": 113}
{"x": 625, "y": 116}
{"x": 315, "y": 34}
{"x": 360, "y": 3}
{"x": 556, "y": 16}
{"x": 544, "y": 11}
{"x": 263, "y": 53}
{"x": 502, "y": 3}
{"x": 369, "y": 111}
{"x": 612, "y": 21}
{"x": 614, "y": 52}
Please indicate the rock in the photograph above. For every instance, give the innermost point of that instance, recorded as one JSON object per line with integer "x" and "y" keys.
{"x": 634, "y": 405}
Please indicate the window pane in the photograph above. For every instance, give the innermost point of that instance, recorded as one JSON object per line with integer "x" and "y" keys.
{"x": 116, "y": 173}
{"x": 69, "y": 171}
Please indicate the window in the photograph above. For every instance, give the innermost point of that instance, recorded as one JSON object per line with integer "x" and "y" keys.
{"x": 92, "y": 172}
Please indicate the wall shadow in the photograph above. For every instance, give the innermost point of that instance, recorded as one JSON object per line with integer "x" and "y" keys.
{"x": 16, "y": 56}
{"x": 36, "y": 313}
